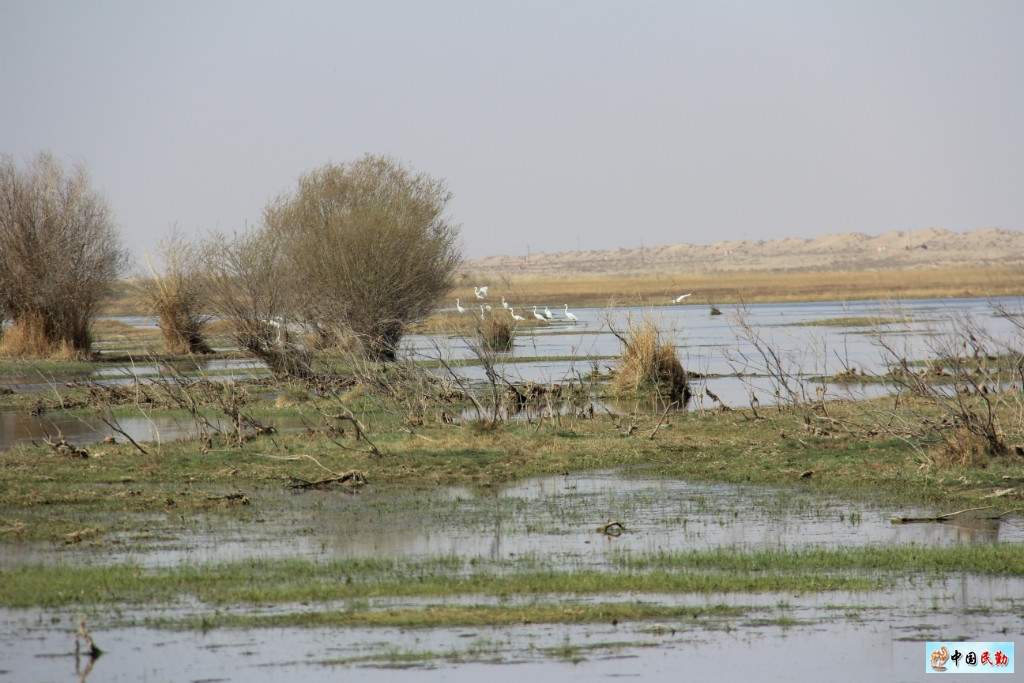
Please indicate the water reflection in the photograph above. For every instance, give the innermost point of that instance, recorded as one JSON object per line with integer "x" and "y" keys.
{"x": 21, "y": 428}
{"x": 554, "y": 518}
{"x": 877, "y": 636}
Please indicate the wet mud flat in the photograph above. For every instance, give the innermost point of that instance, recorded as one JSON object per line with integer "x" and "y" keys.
{"x": 544, "y": 524}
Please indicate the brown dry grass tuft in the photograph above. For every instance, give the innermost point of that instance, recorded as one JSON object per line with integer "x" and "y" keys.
{"x": 962, "y": 448}
{"x": 497, "y": 332}
{"x": 29, "y": 339}
{"x": 650, "y": 363}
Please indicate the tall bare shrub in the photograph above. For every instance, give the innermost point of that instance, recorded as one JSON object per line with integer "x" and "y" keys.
{"x": 249, "y": 287}
{"x": 60, "y": 252}
{"x": 175, "y": 295}
{"x": 369, "y": 247}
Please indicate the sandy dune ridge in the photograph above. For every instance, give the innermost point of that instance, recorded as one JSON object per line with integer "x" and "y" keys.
{"x": 921, "y": 249}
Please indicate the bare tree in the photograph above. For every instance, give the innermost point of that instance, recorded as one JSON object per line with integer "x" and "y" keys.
{"x": 175, "y": 295}
{"x": 249, "y": 287}
{"x": 59, "y": 255}
{"x": 369, "y": 248}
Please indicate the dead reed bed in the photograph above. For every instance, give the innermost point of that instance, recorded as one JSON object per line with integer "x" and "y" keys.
{"x": 750, "y": 286}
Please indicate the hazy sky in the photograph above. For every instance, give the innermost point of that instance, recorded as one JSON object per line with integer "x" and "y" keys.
{"x": 557, "y": 125}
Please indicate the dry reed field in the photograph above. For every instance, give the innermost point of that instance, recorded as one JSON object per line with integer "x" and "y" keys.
{"x": 752, "y": 286}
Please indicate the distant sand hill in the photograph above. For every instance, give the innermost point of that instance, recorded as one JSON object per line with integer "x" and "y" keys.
{"x": 920, "y": 249}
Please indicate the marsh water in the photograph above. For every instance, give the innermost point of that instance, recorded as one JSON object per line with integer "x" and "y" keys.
{"x": 814, "y": 341}
{"x": 544, "y": 522}
{"x": 551, "y": 522}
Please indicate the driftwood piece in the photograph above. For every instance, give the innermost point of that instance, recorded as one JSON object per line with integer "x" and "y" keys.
{"x": 1000, "y": 493}
{"x": 76, "y": 536}
{"x": 355, "y": 477}
{"x": 236, "y": 497}
{"x": 611, "y": 528}
{"x": 948, "y": 517}
{"x": 62, "y": 447}
{"x": 83, "y": 634}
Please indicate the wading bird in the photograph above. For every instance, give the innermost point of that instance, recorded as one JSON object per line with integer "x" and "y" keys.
{"x": 480, "y": 292}
{"x": 459, "y": 307}
{"x": 515, "y": 317}
{"x": 568, "y": 315}
{"x": 504, "y": 303}
{"x": 538, "y": 316}
{"x": 547, "y": 313}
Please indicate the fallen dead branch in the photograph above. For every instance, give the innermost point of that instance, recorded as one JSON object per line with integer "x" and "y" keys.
{"x": 664, "y": 415}
{"x": 236, "y": 497}
{"x": 611, "y": 528}
{"x": 117, "y": 428}
{"x": 62, "y": 447}
{"x": 356, "y": 478}
{"x": 999, "y": 494}
{"x": 83, "y": 634}
{"x": 948, "y": 516}
{"x": 76, "y": 536}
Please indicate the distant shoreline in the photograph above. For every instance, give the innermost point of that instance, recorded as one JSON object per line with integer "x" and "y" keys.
{"x": 926, "y": 249}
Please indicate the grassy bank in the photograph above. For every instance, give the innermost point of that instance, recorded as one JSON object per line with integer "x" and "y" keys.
{"x": 49, "y": 493}
{"x": 522, "y": 590}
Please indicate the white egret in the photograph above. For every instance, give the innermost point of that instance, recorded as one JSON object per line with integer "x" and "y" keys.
{"x": 547, "y": 313}
{"x": 459, "y": 307}
{"x": 504, "y": 303}
{"x": 480, "y": 292}
{"x": 276, "y": 322}
{"x": 538, "y": 316}
{"x": 568, "y": 315}
{"x": 515, "y": 317}
{"x": 679, "y": 299}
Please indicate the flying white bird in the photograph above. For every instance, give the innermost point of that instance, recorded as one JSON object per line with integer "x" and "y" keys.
{"x": 515, "y": 317}
{"x": 568, "y": 315}
{"x": 679, "y": 299}
{"x": 480, "y": 292}
{"x": 459, "y": 307}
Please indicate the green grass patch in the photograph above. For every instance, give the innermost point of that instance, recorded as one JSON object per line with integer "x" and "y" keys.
{"x": 301, "y": 581}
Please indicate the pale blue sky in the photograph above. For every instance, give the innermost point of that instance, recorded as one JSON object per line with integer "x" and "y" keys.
{"x": 556, "y": 124}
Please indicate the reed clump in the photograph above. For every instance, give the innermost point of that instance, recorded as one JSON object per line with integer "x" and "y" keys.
{"x": 650, "y": 363}
{"x": 497, "y": 333}
{"x": 29, "y": 339}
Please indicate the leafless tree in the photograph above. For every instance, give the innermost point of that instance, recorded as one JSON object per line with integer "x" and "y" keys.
{"x": 175, "y": 295}
{"x": 60, "y": 252}
{"x": 368, "y": 247}
{"x": 250, "y": 289}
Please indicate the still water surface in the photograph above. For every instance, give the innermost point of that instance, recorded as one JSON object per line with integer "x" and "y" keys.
{"x": 809, "y": 343}
{"x": 822, "y": 636}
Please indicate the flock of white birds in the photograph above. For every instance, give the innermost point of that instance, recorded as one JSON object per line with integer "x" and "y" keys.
{"x": 544, "y": 316}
